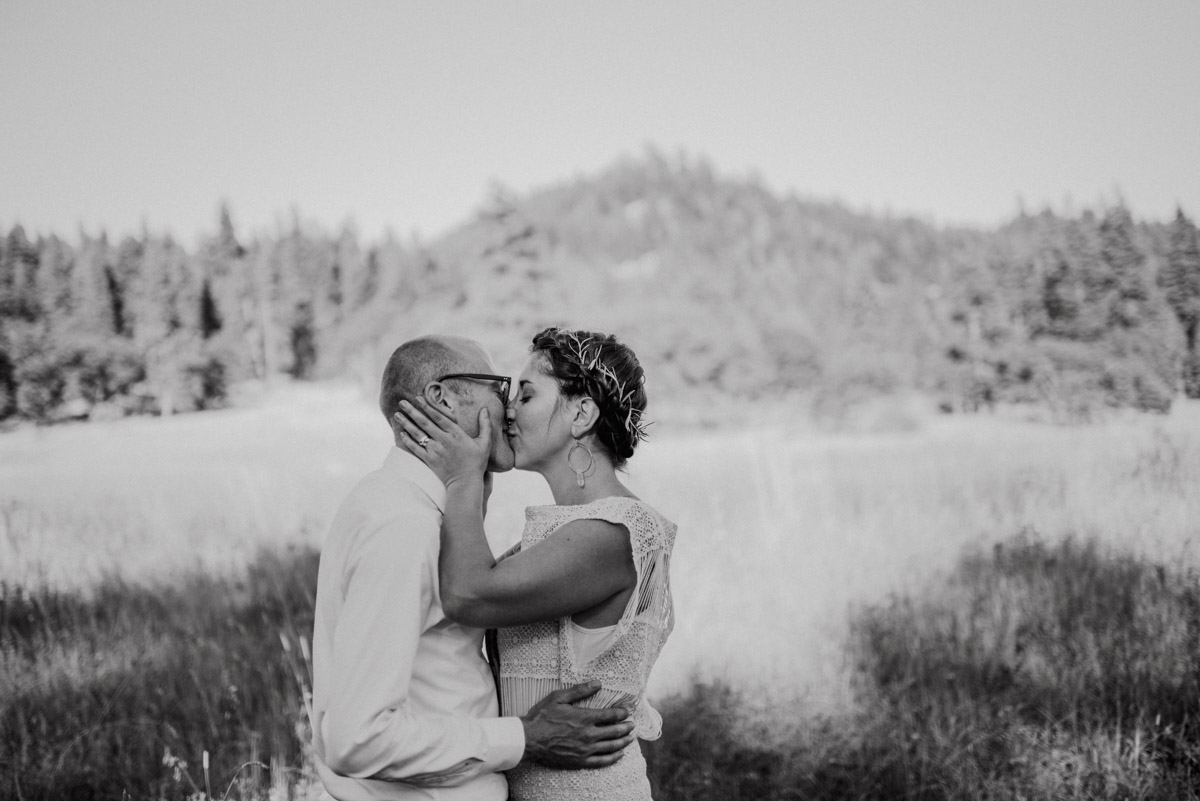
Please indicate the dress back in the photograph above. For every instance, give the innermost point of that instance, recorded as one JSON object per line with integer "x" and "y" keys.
{"x": 539, "y": 658}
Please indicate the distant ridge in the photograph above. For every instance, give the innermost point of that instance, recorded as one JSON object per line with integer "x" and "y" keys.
{"x": 727, "y": 291}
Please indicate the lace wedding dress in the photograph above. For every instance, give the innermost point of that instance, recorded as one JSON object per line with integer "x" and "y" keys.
{"x": 541, "y": 657}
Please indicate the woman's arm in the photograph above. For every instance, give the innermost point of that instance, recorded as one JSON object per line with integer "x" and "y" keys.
{"x": 582, "y": 564}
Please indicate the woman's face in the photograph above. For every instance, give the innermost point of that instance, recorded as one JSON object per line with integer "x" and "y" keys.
{"x": 539, "y": 426}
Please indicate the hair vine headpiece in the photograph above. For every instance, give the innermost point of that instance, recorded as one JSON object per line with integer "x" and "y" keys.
{"x": 589, "y": 360}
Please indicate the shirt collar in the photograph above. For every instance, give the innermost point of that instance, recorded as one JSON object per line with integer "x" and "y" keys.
{"x": 414, "y": 470}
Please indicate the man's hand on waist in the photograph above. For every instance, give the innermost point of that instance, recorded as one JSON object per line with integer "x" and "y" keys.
{"x": 560, "y": 735}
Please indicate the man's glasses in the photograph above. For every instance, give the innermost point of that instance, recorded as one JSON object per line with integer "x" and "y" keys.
{"x": 505, "y": 382}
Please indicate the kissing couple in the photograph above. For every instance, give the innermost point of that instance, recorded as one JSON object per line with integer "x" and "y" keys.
{"x": 405, "y": 703}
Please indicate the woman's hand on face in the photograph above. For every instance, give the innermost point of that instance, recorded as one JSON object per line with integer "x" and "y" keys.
{"x": 439, "y": 441}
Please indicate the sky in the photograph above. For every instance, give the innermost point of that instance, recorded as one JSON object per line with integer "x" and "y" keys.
{"x": 404, "y": 116}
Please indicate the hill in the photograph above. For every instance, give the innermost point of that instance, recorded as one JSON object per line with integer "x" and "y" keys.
{"x": 727, "y": 291}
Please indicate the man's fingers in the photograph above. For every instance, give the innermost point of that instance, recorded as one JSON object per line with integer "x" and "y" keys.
{"x": 572, "y": 694}
{"x": 602, "y": 761}
{"x": 607, "y": 716}
{"x": 608, "y": 752}
{"x": 608, "y": 746}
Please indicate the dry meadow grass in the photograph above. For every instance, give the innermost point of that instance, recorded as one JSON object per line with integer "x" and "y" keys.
{"x": 147, "y": 561}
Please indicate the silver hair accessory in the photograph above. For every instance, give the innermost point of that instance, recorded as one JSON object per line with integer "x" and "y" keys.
{"x": 590, "y": 361}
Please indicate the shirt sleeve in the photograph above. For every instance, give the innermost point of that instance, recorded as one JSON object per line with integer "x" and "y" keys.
{"x": 370, "y": 728}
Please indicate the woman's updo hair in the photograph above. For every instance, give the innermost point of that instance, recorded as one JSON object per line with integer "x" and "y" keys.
{"x": 600, "y": 367}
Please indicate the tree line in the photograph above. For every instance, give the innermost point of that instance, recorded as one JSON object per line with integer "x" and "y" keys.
{"x": 143, "y": 326}
{"x": 725, "y": 289}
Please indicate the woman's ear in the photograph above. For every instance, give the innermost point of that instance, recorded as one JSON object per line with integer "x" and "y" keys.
{"x": 585, "y": 417}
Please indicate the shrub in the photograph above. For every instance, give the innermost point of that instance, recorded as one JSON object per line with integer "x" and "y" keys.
{"x": 1040, "y": 672}
{"x": 1191, "y": 375}
{"x": 8, "y": 386}
{"x": 1058, "y": 672}
{"x": 207, "y": 382}
{"x": 118, "y": 693}
{"x": 100, "y": 370}
{"x": 702, "y": 755}
{"x": 40, "y": 386}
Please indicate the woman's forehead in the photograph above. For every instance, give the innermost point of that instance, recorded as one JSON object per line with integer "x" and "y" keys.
{"x": 534, "y": 371}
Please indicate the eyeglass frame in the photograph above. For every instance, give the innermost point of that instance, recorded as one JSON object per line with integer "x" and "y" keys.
{"x": 505, "y": 382}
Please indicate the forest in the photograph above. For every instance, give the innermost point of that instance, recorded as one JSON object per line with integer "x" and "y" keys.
{"x": 727, "y": 290}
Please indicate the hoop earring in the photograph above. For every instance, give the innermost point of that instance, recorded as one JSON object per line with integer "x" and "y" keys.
{"x": 580, "y": 475}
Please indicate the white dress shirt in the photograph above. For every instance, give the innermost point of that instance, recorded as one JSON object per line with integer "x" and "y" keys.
{"x": 404, "y": 705}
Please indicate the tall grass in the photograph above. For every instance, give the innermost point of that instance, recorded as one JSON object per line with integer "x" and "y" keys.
{"x": 1039, "y": 671}
{"x": 129, "y": 690}
{"x": 145, "y": 568}
{"x": 784, "y": 534}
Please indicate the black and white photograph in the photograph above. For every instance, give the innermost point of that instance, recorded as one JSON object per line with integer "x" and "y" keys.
{"x": 599, "y": 401}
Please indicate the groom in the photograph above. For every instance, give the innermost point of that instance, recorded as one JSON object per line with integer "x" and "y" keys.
{"x": 404, "y": 704}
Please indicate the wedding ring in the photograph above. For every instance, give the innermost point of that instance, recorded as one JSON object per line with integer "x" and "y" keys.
{"x": 423, "y": 441}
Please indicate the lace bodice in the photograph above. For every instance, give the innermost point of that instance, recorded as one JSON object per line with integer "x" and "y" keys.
{"x": 541, "y": 657}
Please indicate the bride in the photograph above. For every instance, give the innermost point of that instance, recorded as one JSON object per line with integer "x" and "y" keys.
{"x": 585, "y": 595}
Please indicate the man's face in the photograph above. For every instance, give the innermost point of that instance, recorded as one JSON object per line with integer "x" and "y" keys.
{"x": 473, "y": 395}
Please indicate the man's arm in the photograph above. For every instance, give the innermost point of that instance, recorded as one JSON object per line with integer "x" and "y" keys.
{"x": 370, "y": 729}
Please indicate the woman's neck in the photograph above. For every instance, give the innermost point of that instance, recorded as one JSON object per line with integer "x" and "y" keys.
{"x": 564, "y": 485}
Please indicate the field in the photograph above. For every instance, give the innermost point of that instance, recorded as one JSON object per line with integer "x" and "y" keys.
{"x": 859, "y": 615}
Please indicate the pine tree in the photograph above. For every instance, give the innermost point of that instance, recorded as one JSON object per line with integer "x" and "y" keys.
{"x": 1077, "y": 283}
{"x": 121, "y": 277}
{"x": 91, "y": 301}
{"x": 19, "y": 262}
{"x": 1127, "y": 266}
{"x": 30, "y": 381}
{"x": 57, "y": 266}
{"x": 1180, "y": 280}
{"x": 220, "y": 259}
{"x": 1181, "y": 275}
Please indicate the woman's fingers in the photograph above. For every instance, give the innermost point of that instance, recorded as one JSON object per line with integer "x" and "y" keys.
{"x": 440, "y": 417}
{"x": 425, "y": 412}
{"x": 412, "y": 447}
{"x": 485, "y": 427}
{"x": 421, "y": 419}
{"x": 412, "y": 429}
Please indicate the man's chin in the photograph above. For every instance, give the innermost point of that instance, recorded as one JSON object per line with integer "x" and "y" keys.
{"x": 503, "y": 464}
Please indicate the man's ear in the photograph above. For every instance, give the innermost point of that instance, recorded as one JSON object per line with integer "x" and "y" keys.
{"x": 437, "y": 395}
{"x": 587, "y": 412}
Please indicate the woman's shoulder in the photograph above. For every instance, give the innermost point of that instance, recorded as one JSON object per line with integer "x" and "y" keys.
{"x": 629, "y": 511}
{"x": 622, "y": 503}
